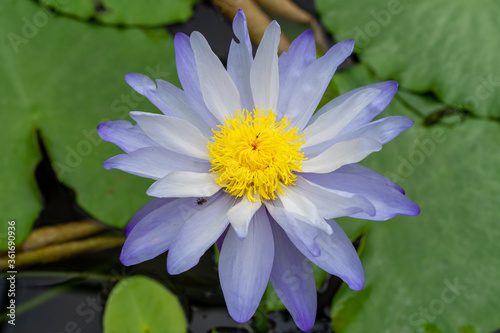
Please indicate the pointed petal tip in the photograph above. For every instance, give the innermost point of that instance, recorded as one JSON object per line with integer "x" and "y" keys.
{"x": 308, "y": 33}
{"x": 410, "y": 121}
{"x": 305, "y": 324}
{"x": 240, "y": 13}
{"x": 390, "y": 86}
{"x": 139, "y": 82}
{"x": 415, "y": 210}
{"x": 357, "y": 285}
{"x": 394, "y": 83}
{"x": 357, "y": 281}
{"x": 178, "y": 267}
{"x": 108, "y": 164}
{"x": 124, "y": 258}
{"x": 241, "y": 231}
{"x": 100, "y": 130}
{"x": 240, "y": 317}
{"x": 347, "y": 43}
{"x": 180, "y": 36}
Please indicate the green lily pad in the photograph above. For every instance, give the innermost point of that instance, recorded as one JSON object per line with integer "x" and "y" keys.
{"x": 127, "y": 12}
{"x": 63, "y": 77}
{"x": 141, "y": 305}
{"x": 449, "y": 47}
{"x": 436, "y": 272}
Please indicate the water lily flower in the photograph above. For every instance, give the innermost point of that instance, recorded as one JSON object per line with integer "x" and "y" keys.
{"x": 241, "y": 159}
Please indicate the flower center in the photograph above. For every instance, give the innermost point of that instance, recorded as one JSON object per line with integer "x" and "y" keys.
{"x": 255, "y": 155}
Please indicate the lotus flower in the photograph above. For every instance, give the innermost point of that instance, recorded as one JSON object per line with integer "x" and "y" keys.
{"x": 241, "y": 159}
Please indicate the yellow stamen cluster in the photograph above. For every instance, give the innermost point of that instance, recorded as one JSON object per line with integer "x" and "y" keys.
{"x": 255, "y": 155}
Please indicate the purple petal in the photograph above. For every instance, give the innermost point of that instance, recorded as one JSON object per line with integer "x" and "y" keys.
{"x": 199, "y": 232}
{"x": 186, "y": 67}
{"x": 125, "y": 135}
{"x": 312, "y": 84}
{"x": 144, "y": 86}
{"x": 382, "y": 130}
{"x": 241, "y": 31}
{"x": 245, "y": 266}
{"x": 155, "y": 162}
{"x": 153, "y": 234}
{"x": 152, "y": 205}
{"x": 361, "y": 170}
{"x": 388, "y": 201}
{"x": 220, "y": 241}
{"x": 292, "y": 278}
{"x": 139, "y": 82}
{"x": 338, "y": 256}
{"x": 240, "y": 60}
{"x": 301, "y": 54}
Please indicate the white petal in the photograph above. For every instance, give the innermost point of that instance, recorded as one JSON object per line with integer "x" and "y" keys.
{"x": 173, "y": 133}
{"x": 303, "y": 209}
{"x": 240, "y": 215}
{"x": 332, "y": 203}
{"x": 382, "y": 130}
{"x": 184, "y": 184}
{"x": 345, "y": 152}
{"x": 305, "y": 233}
{"x": 239, "y": 60}
{"x": 186, "y": 66}
{"x": 155, "y": 162}
{"x": 264, "y": 73}
{"x": 183, "y": 106}
{"x": 329, "y": 124}
{"x": 219, "y": 91}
